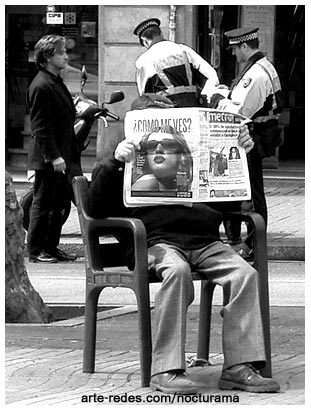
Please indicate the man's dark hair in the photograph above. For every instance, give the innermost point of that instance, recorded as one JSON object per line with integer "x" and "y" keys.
{"x": 253, "y": 44}
{"x": 151, "y": 32}
{"x": 46, "y": 47}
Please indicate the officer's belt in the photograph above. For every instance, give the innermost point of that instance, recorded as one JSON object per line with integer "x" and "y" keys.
{"x": 179, "y": 90}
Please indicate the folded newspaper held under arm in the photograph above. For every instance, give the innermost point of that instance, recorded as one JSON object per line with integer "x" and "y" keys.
{"x": 186, "y": 155}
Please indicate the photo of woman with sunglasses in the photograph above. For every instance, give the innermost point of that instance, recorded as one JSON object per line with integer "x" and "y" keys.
{"x": 166, "y": 162}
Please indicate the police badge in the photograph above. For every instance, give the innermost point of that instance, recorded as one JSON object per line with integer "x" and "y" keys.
{"x": 246, "y": 81}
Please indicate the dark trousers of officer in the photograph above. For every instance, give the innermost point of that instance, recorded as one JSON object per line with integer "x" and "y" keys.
{"x": 257, "y": 183}
{"x": 257, "y": 188}
{"x": 259, "y": 204}
{"x": 51, "y": 192}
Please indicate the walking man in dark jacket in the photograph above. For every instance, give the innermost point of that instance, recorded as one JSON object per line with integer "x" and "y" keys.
{"x": 53, "y": 152}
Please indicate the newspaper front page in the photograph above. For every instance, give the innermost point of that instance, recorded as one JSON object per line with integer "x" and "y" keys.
{"x": 186, "y": 155}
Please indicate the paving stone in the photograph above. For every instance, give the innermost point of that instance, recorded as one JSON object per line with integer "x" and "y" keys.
{"x": 118, "y": 374}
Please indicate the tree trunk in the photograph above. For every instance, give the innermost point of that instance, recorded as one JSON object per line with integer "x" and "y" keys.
{"x": 22, "y": 302}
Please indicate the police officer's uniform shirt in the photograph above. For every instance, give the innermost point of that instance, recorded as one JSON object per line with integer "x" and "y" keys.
{"x": 254, "y": 95}
{"x": 173, "y": 66}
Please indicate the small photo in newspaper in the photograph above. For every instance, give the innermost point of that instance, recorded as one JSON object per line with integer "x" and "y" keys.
{"x": 185, "y": 155}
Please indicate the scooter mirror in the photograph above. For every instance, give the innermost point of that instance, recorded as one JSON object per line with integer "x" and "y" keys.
{"x": 116, "y": 96}
{"x": 83, "y": 76}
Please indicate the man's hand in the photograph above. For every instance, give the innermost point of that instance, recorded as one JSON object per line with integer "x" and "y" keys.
{"x": 125, "y": 151}
{"x": 244, "y": 139}
{"x": 59, "y": 164}
{"x": 224, "y": 103}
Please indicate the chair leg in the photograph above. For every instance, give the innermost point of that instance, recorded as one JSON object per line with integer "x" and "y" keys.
{"x": 144, "y": 330}
{"x": 90, "y": 318}
{"x": 265, "y": 313}
{"x": 261, "y": 265}
{"x": 207, "y": 289}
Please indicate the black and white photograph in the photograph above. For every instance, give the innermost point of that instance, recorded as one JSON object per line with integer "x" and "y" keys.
{"x": 155, "y": 204}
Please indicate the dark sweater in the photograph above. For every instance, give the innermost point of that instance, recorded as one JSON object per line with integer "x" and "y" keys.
{"x": 186, "y": 227}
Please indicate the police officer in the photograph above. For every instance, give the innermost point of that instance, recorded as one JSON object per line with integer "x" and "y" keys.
{"x": 173, "y": 70}
{"x": 256, "y": 94}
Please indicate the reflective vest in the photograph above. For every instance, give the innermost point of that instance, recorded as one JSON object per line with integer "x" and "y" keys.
{"x": 170, "y": 68}
{"x": 257, "y": 94}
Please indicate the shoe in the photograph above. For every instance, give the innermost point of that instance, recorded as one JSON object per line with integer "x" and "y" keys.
{"x": 42, "y": 258}
{"x": 61, "y": 255}
{"x": 173, "y": 383}
{"x": 246, "y": 378}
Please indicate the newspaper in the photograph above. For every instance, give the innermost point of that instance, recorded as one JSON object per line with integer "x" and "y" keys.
{"x": 186, "y": 155}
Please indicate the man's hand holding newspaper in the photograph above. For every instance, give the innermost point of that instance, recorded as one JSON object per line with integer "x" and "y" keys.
{"x": 245, "y": 140}
{"x": 125, "y": 151}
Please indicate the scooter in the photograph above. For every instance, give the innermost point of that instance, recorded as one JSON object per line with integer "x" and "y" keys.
{"x": 87, "y": 111}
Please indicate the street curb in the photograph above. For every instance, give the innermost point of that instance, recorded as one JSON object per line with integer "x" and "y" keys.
{"x": 78, "y": 321}
{"x": 291, "y": 249}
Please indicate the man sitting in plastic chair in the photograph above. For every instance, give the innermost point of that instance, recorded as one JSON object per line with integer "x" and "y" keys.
{"x": 181, "y": 239}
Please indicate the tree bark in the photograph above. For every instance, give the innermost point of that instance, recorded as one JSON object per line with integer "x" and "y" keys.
{"x": 23, "y": 304}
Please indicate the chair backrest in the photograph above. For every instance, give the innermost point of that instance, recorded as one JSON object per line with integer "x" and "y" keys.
{"x": 98, "y": 252}
{"x": 80, "y": 186}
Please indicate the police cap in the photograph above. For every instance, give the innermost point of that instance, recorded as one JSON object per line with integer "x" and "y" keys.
{"x": 145, "y": 24}
{"x": 241, "y": 35}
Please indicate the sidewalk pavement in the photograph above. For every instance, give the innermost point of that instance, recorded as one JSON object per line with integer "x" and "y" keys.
{"x": 44, "y": 362}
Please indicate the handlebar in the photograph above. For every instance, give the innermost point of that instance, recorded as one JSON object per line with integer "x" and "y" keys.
{"x": 106, "y": 113}
{"x": 114, "y": 116}
{"x": 89, "y": 108}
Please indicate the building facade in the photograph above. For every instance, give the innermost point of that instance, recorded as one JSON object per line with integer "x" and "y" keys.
{"x": 101, "y": 38}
